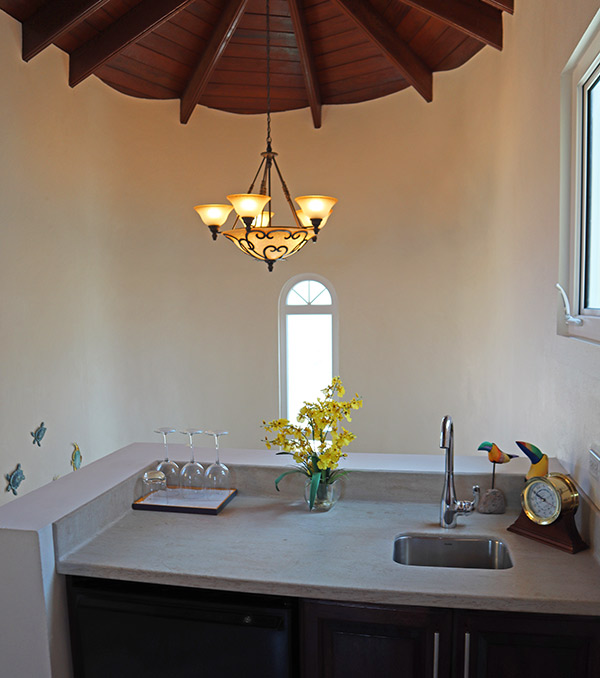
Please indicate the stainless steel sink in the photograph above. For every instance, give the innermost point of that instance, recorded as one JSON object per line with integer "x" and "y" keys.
{"x": 441, "y": 551}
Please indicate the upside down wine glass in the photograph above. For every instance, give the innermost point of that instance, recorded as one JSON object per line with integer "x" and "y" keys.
{"x": 217, "y": 474}
{"x": 192, "y": 474}
{"x": 169, "y": 468}
{"x": 154, "y": 482}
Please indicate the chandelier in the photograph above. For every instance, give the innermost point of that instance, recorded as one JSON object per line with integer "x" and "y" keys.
{"x": 256, "y": 235}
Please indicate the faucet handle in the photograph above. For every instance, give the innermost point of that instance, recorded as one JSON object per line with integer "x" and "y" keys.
{"x": 464, "y": 507}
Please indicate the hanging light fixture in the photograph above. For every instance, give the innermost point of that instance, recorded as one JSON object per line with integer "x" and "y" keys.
{"x": 256, "y": 236}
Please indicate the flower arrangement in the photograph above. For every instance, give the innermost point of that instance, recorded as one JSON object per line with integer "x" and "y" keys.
{"x": 316, "y": 443}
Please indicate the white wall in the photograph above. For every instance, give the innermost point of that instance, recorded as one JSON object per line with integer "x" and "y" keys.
{"x": 119, "y": 314}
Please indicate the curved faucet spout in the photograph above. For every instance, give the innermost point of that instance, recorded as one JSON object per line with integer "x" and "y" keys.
{"x": 447, "y": 433}
{"x": 450, "y": 507}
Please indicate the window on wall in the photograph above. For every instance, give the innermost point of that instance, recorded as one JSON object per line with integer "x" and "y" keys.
{"x": 580, "y": 186}
{"x": 307, "y": 341}
{"x": 590, "y": 225}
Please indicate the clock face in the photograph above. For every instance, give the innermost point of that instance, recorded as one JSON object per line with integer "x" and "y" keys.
{"x": 548, "y": 516}
{"x": 541, "y": 501}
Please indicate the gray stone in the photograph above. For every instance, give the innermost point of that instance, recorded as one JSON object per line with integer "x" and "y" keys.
{"x": 492, "y": 501}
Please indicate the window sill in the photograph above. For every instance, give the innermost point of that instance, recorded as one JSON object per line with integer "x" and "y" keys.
{"x": 588, "y": 331}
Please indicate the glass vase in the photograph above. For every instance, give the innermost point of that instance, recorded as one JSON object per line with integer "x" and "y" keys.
{"x": 326, "y": 498}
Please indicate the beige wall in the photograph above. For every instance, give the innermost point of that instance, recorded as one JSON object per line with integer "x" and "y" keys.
{"x": 118, "y": 313}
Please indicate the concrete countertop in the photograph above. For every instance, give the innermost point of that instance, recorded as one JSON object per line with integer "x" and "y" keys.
{"x": 272, "y": 544}
{"x": 266, "y": 541}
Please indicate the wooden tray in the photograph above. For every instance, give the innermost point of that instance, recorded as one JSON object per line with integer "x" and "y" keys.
{"x": 209, "y": 502}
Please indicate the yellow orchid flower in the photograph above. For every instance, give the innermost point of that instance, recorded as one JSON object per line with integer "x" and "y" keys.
{"x": 316, "y": 441}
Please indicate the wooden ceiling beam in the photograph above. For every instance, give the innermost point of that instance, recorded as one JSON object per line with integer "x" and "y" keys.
{"x": 139, "y": 21}
{"x": 480, "y": 21}
{"x": 398, "y": 53}
{"x": 504, "y": 5}
{"x": 307, "y": 62}
{"x": 53, "y": 19}
{"x": 221, "y": 35}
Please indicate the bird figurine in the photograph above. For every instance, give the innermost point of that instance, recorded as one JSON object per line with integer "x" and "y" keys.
{"x": 539, "y": 460}
{"x": 493, "y": 500}
{"x": 495, "y": 454}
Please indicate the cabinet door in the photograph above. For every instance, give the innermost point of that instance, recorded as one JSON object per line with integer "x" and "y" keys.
{"x": 346, "y": 640}
{"x": 502, "y": 645}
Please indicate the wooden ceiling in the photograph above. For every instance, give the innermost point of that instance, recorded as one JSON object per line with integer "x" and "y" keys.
{"x": 213, "y": 52}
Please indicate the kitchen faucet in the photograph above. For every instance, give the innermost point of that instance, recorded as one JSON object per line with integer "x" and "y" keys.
{"x": 450, "y": 506}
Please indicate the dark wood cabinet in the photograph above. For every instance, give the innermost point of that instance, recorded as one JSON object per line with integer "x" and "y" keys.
{"x": 343, "y": 640}
{"x": 128, "y": 629}
{"x": 346, "y": 640}
{"x": 503, "y": 645}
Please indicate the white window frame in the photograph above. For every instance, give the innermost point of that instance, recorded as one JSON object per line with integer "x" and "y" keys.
{"x": 584, "y": 61}
{"x": 289, "y": 309}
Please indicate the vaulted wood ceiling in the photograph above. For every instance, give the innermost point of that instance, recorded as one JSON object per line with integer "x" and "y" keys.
{"x": 213, "y": 52}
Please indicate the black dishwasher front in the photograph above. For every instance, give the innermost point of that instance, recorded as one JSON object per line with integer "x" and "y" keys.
{"x": 129, "y": 629}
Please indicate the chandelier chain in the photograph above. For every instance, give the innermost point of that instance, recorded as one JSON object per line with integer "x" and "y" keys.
{"x": 268, "y": 41}
{"x": 287, "y": 195}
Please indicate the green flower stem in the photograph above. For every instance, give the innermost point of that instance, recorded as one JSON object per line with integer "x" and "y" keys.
{"x": 314, "y": 486}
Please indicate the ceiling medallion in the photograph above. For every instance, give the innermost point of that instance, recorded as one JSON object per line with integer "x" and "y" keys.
{"x": 256, "y": 236}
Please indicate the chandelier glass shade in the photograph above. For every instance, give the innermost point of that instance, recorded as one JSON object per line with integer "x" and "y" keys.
{"x": 214, "y": 216}
{"x": 263, "y": 219}
{"x": 316, "y": 206}
{"x": 256, "y": 235}
{"x": 248, "y": 205}
{"x": 269, "y": 243}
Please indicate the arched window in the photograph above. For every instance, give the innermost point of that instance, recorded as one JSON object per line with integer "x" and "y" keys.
{"x": 308, "y": 341}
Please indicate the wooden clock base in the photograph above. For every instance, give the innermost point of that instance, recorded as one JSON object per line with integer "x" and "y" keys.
{"x": 562, "y": 534}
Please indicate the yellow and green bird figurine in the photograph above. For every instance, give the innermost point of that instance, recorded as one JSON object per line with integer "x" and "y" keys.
{"x": 539, "y": 460}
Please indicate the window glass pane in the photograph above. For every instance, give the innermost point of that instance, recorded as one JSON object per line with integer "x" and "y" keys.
{"x": 319, "y": 294}
{"x": 298, "y": 295}
{"x": 308, "y": 292}
{"x": 309, "y": 359}
{"x": 592, "y": 263}
{"x": 295, "y": 299}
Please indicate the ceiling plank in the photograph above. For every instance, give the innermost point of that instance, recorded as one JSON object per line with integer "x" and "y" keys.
{"x": 221, "y": 35}
{"x": 478, "y": 20}
{"x": 52, "y": 20}
{"x": 504, "y": 5}
{"x": 391, "y": 45}
{"x": 309, "y": 70}
{"x": 139, "y": 21}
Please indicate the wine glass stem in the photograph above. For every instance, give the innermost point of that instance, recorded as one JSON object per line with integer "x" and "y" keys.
{"x": 217, "y": 449}
{"x": 166, "y": 447}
